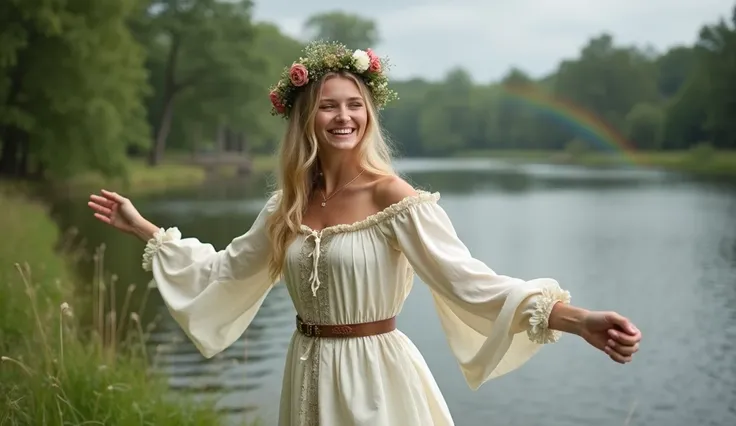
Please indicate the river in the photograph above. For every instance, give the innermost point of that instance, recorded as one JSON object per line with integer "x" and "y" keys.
{"x": 657, "y": 247}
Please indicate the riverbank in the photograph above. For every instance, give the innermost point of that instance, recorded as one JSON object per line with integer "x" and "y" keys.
{"x": 174, "y": 173}
{"x": 700, "y": 161}
{"x": 67, "y": 356}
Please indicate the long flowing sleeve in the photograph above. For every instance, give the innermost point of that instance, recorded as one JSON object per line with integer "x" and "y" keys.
{"x": 493, "y": 323}
{"x": 213, "y": 295}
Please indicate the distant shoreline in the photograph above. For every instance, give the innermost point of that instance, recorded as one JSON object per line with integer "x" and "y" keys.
{"x": 711, "y": 163}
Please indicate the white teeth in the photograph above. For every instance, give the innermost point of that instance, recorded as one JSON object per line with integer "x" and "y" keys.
{"x": 341, "y": 131}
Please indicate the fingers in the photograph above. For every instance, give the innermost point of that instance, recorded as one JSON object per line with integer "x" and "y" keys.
{"x": 621, "y": 359}
{"x": 100, "y": 208}
{"x": 626, "y": 350}
{"x": 103, "y": 218}
{"x": 623, "y": 323}
{"x": 101, "y": 201}
{"x": 114, "y": 196}
{"x": 621, "y": 352}
{"x": 623, "y": 338}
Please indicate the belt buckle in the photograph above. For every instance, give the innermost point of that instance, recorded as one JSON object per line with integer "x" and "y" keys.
{"x": 309, "y": 330}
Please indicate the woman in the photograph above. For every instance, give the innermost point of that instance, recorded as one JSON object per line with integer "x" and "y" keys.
{"x": 346, "y": 235}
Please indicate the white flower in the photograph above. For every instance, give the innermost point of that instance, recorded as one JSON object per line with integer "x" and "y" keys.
{"x": 362, "y": 61}
{"x": 66, "y": 310}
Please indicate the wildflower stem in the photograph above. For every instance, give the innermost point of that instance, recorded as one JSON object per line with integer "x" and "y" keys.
{"x": 20, "y": 364}
{"x": 25, "y": 277}
{"x": 61, "y": 339}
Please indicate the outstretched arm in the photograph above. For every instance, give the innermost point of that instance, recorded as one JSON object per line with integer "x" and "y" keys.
{"x": 212, "y": 294}
{"x": 610, "y": 332}
{"x": 117, "y": 211}
{"x": 473, "y": 294}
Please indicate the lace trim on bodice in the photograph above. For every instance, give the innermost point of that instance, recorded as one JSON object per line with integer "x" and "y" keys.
{"x": 316, "y": 302}
{"x": 376, "y": 218}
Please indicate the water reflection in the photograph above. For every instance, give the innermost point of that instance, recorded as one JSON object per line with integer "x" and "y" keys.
{"x": 658, "y": 246}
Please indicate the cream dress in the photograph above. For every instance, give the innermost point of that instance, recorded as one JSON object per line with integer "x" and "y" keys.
{"x": 355, "y": 273}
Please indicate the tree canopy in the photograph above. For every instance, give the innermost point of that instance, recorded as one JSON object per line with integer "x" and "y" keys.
{"x": 86, "y": 84}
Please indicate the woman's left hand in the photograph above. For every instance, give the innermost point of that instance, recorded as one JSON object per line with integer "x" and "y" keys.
{"x": 611, "y": 333}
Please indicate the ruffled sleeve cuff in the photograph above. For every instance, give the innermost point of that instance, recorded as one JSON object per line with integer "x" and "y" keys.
{"x": 154, "y": 245}
{"x": 539, "y": 331}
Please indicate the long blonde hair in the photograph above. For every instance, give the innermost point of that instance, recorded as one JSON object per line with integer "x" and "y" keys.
{"x": 298, "y": 167}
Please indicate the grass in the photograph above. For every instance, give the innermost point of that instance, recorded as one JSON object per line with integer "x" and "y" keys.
{"x": 141, "y": 178}
{"x": 67, "y": 356}
{"x": 700, "y": 160}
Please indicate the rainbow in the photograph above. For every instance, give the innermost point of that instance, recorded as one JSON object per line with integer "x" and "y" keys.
{"x": 585, "y": 122}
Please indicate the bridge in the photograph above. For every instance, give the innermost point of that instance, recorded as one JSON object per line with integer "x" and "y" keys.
{"x": 213, "y": 162}
{"x": 229, "y": 151}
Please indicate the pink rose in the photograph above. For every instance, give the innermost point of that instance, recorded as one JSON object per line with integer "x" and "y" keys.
{"x": 299, "y": 75}
{"x": 375, "y": 62}
{"x": 276, "y": 102}
{"x": 375, "y": 65}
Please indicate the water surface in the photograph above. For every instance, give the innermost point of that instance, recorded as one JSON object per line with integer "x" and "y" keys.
{"x": 657, "y": 247}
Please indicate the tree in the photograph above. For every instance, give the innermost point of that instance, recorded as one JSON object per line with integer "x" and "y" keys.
{"x": 673, "y": 69}
{"x": 717, "y": 49}
{"x": 515, "y": 122}
{"x": 645, "y": 126}
{"x": 71, "y": 83}
{"x": 446, "y": 119}
{"x": 200, "y": 54}
{"x": 351, "y": 30}
{"x": 608, "y": 80}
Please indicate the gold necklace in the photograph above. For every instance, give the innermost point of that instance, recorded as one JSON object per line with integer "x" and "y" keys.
{"x": 324, "y": 199}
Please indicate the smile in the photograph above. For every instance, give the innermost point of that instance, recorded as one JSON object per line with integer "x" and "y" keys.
{"x": 342, "y": 131}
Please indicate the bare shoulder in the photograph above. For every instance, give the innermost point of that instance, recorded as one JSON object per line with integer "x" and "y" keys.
{"x": 390, "y": 190}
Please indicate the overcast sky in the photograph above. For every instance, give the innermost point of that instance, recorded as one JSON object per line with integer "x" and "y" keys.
{"x": 487, "y": 37}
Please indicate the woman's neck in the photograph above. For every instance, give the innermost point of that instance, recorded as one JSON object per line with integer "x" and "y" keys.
{"x": 338, "y": 169}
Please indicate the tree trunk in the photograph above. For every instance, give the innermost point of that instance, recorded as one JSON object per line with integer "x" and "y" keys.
{"x": 9, "y": 155}
{"x": 10, "y": 135}
{"x": 40, "y": 171}
{"x": 157, "y": 152}
{"x": 24, "y": 154}
{"x": 167, "y": 114}
{"x": 220, "y": 139}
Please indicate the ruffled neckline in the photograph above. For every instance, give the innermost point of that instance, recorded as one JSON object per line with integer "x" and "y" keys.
{"x": 376, "y": 218}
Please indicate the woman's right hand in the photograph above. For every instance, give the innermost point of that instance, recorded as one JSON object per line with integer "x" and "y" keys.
{"x": 116, "y": 211}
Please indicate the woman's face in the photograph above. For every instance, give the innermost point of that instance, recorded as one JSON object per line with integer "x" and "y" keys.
{"x": 342, "y": 114}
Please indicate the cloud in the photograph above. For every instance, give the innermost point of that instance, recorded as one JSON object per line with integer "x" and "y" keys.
{"x": 428, "y": 38}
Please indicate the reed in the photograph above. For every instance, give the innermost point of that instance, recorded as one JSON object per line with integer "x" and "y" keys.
{"x": 67, "y": 355}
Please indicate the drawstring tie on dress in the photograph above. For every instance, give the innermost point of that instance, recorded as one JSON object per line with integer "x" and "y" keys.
{"x": 314, "y": 278}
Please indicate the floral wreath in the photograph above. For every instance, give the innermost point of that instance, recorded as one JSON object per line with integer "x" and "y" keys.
{"x": 321, "y": 58}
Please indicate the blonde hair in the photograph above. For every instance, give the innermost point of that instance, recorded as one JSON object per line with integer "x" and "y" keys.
{"x": 298, "y": 166}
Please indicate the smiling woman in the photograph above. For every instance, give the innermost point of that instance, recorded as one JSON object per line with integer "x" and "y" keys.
{"x": 349, "y": 265}
{"x": 342, "y": 114}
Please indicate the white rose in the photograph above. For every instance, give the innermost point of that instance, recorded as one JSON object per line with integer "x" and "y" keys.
{"x": 362, "y": 61}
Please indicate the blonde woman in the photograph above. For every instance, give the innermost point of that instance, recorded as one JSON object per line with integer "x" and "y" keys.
{"x": 346, "y": 235}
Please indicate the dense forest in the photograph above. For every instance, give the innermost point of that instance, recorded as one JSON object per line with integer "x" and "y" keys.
{"x": 85, "y": 85}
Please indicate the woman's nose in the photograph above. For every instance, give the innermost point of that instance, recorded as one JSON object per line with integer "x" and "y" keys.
{"x": 342, "y": 115}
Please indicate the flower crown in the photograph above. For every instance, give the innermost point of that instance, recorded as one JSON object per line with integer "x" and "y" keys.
{"x": 321, "y": 58}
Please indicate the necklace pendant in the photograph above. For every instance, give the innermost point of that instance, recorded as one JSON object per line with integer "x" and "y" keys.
{"x": 324, "y": 204}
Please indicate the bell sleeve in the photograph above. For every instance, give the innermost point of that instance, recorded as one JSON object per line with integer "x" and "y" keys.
{"x": 213, "y": 295}
{"x": 493, "y": 323}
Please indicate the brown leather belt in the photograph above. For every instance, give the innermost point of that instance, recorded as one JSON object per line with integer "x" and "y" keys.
{"x": 346, "y": 330}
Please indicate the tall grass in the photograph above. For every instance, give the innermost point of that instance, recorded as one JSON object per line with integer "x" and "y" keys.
{"x": 69, "y": 357}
